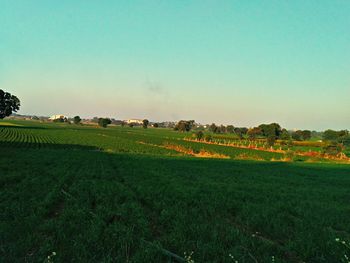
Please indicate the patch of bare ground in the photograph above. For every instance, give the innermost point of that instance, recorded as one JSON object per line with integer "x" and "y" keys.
{"x": 188, "y": 151}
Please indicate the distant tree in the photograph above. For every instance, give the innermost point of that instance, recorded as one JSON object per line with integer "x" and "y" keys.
{"x": 222, "y": 129}
{"x": 59, "y": 120}
{"x": 103, "y": 122}
{"x": 76, "y": 120}
{"x": 244, "y": 130}
{"x": 330, "y": 135}
{"x": 238, "y": 132}
{"x": 297, "y": 135}
{"x": 213, "y": 128}
{"x": 208, "y": 138}
{"x": 270, "y": 129}
{"x": 285, "y": 135}
{"x": 155, "y": 125}
{"x": 346, "y": 140}
{"x": 253, "y": 133}
{"x": 145, "y": 123}
{"x": 230, "y": 129}
{"x": 271, "y": 135}
{"x": 131, "y": 125}
{"x": 36, "y": 118}
{"x": 8, "y": 104}
{"x": 306, "y": 134}
{"x": 199, "y": 135}
{"x": 184, "y": 126}
{"x": 95, "y": 119}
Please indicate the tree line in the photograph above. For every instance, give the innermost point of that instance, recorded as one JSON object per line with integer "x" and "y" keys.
{"x": 271, "y": 132}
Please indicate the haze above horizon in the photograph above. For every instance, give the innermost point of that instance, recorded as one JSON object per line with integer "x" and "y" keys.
{"x": 232, "y": 62}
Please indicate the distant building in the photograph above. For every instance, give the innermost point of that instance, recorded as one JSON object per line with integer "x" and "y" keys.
{"x": 134, "y": 121}
{"x": 56, "y": 117}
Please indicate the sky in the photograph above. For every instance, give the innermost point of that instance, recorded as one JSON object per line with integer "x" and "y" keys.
{"x": 229, "y": 62}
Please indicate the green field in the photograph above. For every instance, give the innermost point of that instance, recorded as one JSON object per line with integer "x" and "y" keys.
{"x": 121, "y": 195}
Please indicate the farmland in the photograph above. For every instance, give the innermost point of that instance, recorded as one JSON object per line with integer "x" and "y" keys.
{"x": 141, "y": 195}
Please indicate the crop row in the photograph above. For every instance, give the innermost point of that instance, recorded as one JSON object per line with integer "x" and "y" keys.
{"x": 23, "y": 138}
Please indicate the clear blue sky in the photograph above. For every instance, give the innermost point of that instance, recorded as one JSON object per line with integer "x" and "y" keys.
{"x": 239, "y": 62}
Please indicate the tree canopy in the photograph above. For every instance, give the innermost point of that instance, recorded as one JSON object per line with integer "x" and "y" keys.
{"x": 8, "y": 104}
{"x": 145, "y": 123}
{"x": 103, "y": 122}
{"x": 76, "y": 120}
{"x": 184, "y": 126}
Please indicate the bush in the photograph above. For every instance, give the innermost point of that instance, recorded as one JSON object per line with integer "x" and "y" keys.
{"x": 199, "y": 135}
{"x": 103, "y": 122}
{"x": 208, "y": 138}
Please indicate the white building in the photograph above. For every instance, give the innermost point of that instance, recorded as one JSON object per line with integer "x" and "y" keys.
{"x": 55, "y": 117}
{"x": 136, "y": 121}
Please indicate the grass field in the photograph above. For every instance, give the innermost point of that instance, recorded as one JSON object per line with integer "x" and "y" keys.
{"x": 128, "y": 195}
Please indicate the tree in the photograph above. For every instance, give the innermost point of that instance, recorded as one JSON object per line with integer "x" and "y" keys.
{"x": 297, "y": 135}
{"x": 269, "y": 129}
{"x": 76, "y": 120}
{"x": 58, "y": 120}
{"x": 184, "y": 126}
{"x": 213, "y": 128}
{"x": 239, "y": 132}
{"x": 285, "y": 135}
{"x": 244, "y": 130}
{"x": 103, "y": 122}
{"x": 306, "y": 134}
{"x": 208, "y": 138}
{"x": 271, "y": 135}
{"x": 155, "y": 125}
{"x": 330, "y": 135}
{"x": 346, "y": 140}
{"x": 230, "y": 129}
{"x": 8, "y": 104}
{"x": 199, "y": 135}
{"x": 254, "y": 133}
{"x": 145, "y": 123}
{"x": 222, "y": 129}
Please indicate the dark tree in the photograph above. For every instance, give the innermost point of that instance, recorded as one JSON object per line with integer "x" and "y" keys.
{"x": 244, "y": 130}
{"x": 76, "y": 120}
{"x": 269, "y": 129}
{"x": 222, "y": 129}
{"x": 346, "y": 140}
{"x": 199, "y": 135}
{"x": 330, "y": 135}
{"x": 271, "y": 135}
{"x": 306, "y": 134}
{"x": 184, "y": 126}
{"x": 253, "y": 133}
{"x": 208, "y": 138}
{"x": 59, "y": 120}
{"x": 297, "y": 135}
{"x": 155, "y": 125}
{"x": 103, "y": 122}
{"x": 8, "y": 104}
{"x": 230, "y": 129}
{"x": 239, "y": 132}
{"x": 213, "y": 128}
{"x": 285, "y": 135}
{"x": 145, "y": 123}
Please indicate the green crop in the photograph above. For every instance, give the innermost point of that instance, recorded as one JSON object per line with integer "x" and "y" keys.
{"x": 74, "y": 193}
